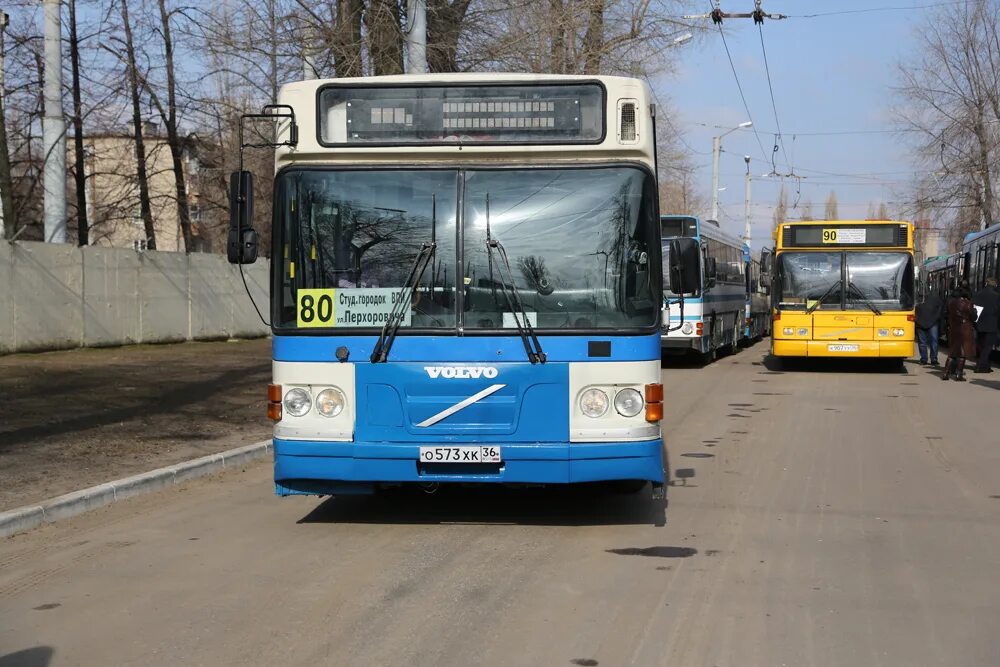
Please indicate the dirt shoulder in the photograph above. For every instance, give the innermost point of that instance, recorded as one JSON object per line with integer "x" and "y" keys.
{"x": 81, "y": 417}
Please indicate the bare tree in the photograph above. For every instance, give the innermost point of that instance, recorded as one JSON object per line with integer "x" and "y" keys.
{"x": 142, "y": 175}
{"x": 781, "y": 208}
{"x": 830, "y": 209}
{"x": 807, "y": 211}
{"x": 951, "y": 92}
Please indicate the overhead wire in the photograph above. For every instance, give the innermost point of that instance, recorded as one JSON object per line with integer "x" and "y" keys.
{"x": 774, "y": 107}
{"x": 739, "y": 86}
{"x": 875, "y": 9}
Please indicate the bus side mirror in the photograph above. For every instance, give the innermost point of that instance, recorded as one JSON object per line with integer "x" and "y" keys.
{"x": 675, "y": 279}
{"x": 241, "y": 247}
{"x": 711, "y": 271}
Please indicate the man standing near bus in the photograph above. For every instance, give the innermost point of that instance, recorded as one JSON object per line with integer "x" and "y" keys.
{"x": 988, "y": 323}
{"x": 928, "y": 316}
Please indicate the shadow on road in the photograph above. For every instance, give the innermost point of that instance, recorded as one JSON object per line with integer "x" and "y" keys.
{"x": 990, "y": 384}
{"x": 778, "y": 365}
{"x": 580, "y": 505}
{"x": 38, "y": 656}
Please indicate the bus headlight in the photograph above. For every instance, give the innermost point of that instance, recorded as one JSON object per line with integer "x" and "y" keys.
{"x": 297, "y": 402}
{"x": 687, "y": 328}
{"x": 899, "y": 332}
{"x": 594, "y": 403}
{"x": 788, "y": 331}
{"x": 628, "y": 402}
{"x": 803, "y": 332}
{"x": 330, "y": 402}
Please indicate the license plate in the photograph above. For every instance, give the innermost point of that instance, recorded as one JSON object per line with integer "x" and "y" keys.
{"x": 478, "y": 454}
{"x": 843, "y": 348}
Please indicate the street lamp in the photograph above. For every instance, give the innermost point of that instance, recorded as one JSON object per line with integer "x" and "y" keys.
{"x": 716, "y": 150}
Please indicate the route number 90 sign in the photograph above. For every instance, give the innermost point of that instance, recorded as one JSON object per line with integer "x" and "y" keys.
{"x": 834, "y": 236}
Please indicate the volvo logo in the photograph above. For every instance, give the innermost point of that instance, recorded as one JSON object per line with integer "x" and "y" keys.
{"x": 457, "y": 372}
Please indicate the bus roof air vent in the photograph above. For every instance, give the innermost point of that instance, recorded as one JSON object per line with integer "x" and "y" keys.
{"x": 628, "y": 131}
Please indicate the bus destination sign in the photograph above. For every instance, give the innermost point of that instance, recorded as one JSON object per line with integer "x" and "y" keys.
{"x": 825, "y": 235}
{"x": 445, "y": 114}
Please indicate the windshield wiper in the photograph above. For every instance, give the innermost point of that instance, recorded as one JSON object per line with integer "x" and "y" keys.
{"x": 827, "y": 293}
{"x": 864, "y": 299}
{"x": 385, "y": 339}
{"x": 532, "y": 347}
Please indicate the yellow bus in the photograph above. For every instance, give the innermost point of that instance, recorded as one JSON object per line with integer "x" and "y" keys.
{"x": 842, "y": 288}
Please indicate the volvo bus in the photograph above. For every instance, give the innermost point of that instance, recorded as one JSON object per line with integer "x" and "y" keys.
{"x": 466, "y": 282}
{"x": 842, "y": 289}
{"x": 708, "y": 314}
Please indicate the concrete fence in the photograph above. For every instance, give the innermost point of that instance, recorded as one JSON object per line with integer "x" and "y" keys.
{"x": 57, "y": 296}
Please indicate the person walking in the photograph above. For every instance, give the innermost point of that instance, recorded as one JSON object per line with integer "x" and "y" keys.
{"x": 929, "y": 314}
{"x": 961, "y": 334}
{"x": 988, "y": 323}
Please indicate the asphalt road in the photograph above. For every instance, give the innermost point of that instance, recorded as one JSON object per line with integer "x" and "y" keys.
{"x": 833, "y": 518}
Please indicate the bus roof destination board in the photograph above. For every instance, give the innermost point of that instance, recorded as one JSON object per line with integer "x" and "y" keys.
{"x": 494, "y": 113}
{"x": 826, "y": 234}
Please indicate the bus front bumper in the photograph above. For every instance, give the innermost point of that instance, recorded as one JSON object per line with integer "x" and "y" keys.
{"x": 326, "y": 468}
{"x": 899, "y": 349}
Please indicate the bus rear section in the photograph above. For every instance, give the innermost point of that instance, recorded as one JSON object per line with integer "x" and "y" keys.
{"x": 843, "y": 289}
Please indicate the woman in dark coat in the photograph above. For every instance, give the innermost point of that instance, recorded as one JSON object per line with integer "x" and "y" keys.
{"x": 961, "y": 334}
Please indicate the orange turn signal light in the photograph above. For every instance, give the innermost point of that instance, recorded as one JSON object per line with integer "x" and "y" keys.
{"x": 911, "y": 318}
{"x": 274, "y": 411}
{"x": 777, "y": 315}
{"x": 274, "y": 393}
{"x": 700, "y": 327}
{"x": 654, "y": 412}
{"x": 654, "y": 393}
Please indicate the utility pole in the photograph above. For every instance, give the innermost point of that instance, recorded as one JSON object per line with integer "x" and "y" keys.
{"x": 54, "y": 129}
{"x": 416, "y": 37}
{"x": 716, "y": 150}
{"x": 7, "y": 221}
{"x": 746, "y": 226}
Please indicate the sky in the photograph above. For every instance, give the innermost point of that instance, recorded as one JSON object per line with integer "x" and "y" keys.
{"x": 829, "y": 74}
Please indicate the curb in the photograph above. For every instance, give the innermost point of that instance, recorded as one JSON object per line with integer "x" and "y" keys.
{"x": 21, "y": 519}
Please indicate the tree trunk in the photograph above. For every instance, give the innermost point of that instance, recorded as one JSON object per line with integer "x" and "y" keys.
{"x": 174, "y": 139}
{"x": 593, "y": 40}
{"x": 444, "y": 28}
{"x": 6, "y": 179}
{"x": 140, "y": 147}
{"x": 385, "y": 39}
{"x": 557, "y": 18}
{"x": 347, "y": 43}
{"x": 80, "y": 175}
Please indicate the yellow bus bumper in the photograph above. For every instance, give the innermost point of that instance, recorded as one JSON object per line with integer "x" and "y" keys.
{"x": 899, "y": 349}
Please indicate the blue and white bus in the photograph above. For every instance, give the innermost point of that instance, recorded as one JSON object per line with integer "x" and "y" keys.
{"x": 709, "y": 313}
{"x": 466, "y": 283}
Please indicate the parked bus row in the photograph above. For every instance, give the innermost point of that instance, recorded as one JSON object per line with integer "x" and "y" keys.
{"x": 978, "y": 259}
{"x": 467, "y": 282}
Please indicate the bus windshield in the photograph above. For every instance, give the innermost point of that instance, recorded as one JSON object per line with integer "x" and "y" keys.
{"x": 581, "y": 244}
{"x": 808, "y": 279}
{"x": 815, "y": 280}
{"x": 884, "y": 279}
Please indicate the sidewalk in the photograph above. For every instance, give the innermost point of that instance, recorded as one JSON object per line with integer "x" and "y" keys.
{"x": 73, "y": 419}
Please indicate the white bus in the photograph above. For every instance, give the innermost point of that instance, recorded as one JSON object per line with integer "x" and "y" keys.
{"x": 466, "y": 283}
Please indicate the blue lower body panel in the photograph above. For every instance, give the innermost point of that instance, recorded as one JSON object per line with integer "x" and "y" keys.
{"x": 311, "y": 467}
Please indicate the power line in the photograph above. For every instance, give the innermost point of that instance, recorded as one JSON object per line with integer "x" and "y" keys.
{"x": 875, "y": 9}
{"x": 819, "y": 133}
{"x": 739, "y": 86}
{"x": 774, "y": 107}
